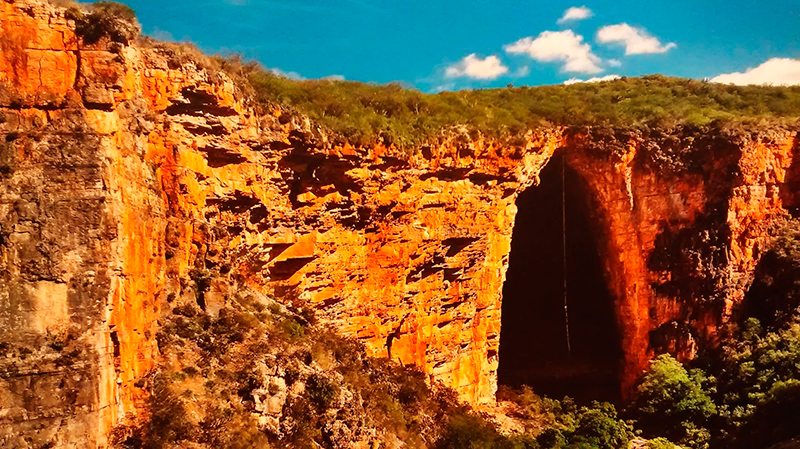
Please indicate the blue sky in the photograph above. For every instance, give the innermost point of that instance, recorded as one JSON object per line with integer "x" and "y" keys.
{"x": 451, "y": 44}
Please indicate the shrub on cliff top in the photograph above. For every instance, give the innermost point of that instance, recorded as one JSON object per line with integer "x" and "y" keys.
{"x": 366, "y": 113}
{"x": 104, "y": 19}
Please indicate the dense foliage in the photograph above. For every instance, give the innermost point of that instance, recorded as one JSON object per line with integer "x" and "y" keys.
{"x": 407, "y": 117}
{"x": 760, "y": 387}
{"x": 563, "y": 424}
{"x": 751, "y": 399}
{"x": 753, "y": 402}
{"x": 364, "y": 113}
{"x": 675, "y": 403}
{"x": 552, "y": 424}
{"x": 104, "y": 19}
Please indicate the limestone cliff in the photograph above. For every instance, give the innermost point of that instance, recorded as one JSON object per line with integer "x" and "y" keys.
{"x": 132, "y": 181}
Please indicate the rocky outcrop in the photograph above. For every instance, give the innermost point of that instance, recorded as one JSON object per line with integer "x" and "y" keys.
{"x": 80, "y": 263}
{"x": 685, "y": 215}
{"x": 131, "y": 181}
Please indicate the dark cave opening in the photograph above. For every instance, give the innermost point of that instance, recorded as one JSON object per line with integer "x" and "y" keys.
{"x": 533, "y": 339}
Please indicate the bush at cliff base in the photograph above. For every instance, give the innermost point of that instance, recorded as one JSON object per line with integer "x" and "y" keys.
{"x": 675, "y": 403}
{"x": 204, "y": 394}
{"x": 752, "y": 397}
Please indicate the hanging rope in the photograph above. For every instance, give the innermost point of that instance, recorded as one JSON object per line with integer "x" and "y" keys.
{"x": 564, "y": 249}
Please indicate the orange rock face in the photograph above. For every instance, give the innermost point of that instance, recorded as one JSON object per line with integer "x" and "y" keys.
{"x": 38, "y": 62}
{"x": 130, "y": 184}
{"x": 683, "y": 234}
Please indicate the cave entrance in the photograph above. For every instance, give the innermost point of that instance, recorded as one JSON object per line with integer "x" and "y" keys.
{"x": 533, "y": 339}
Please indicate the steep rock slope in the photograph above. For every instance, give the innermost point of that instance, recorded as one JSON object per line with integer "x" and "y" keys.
{"x": 132, "y": 181}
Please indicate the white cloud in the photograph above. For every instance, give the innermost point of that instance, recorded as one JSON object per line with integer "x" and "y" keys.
{"x": 476, "y": 68}
{"x": 298, "y": 77}
{"x": 575, "y": 13}
{"x": 614, "y": 63}
{"x": 776, "y": 71}
{"x": 447, "y": 85}
{"x": 635, "y": 40}
{"x": 283, "y": 74}
{"x": 523, "y": 71}
{"x": 592, "y": 80}
{"x": 162, "y": 35}
{"x": 559, "y": 46}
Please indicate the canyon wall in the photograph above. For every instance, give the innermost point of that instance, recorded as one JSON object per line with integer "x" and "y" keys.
{"x": 133, "y": 180}
{"x": 684, "y": 215}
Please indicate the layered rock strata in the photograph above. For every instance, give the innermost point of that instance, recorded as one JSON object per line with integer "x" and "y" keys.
{"x": 131, "y": 182}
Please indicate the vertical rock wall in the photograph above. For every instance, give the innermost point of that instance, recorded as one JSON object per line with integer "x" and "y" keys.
{"x": 132, "y": 182}
{"x": 56, "y": 241}
{"x": 80, "y": 236}
{"x": 684, "y": 216}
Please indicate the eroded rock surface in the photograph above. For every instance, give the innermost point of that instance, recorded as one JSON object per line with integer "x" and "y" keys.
{"x": 127, "y": 178}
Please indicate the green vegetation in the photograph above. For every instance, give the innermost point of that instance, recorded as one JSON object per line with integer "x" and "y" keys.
{"x": 759, "y": 386}
{"x": 660, "y": 443}
{"x": 551, "y": 424}
{"x": 322, "y": 391}
{"x": 218, "y": 374}
{"x": 754, "y": 402}
{"x": 113, "y": 20}
{"x": 752, "y": 398}
{"x": 405, "y": 117}
{"x": 293, "y": 329}
{"x": 675, "y": 403}
{"x": 363, "y": 113}
{"x": 471, "y": 432}
{"x": 563, "y": 424}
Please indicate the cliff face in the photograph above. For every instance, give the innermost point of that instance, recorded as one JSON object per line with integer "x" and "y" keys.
{"x": 131, "y": 183}
{"x": 81, "y": 257}
{"x": 684, "y": 217}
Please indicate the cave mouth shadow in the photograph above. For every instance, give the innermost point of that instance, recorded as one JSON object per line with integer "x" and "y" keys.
{"x": 533, "y": 338}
